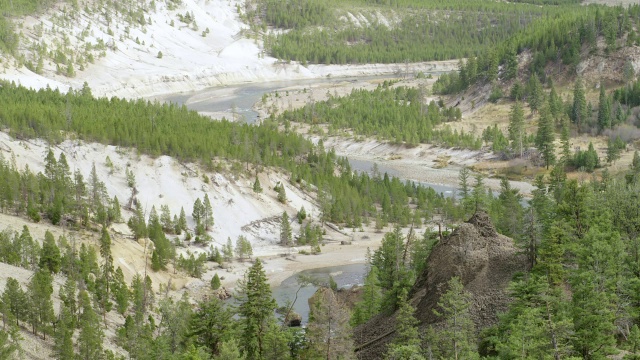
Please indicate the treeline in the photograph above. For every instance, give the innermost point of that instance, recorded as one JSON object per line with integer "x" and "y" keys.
{"x": 554, "y": 40}
{"x": 397, "y": 114}
{"x": 578, "y": 297}
{"x": 427, "y": 30}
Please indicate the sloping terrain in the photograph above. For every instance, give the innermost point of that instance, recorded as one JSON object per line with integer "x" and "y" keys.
{"x": 485, "y": 262}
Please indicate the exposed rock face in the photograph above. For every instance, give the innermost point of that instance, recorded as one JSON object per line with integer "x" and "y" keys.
{"x": 222, "y": 293}
{"x": 484, "y": 260}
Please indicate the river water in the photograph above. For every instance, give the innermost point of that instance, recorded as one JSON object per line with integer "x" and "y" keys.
{"x": 240, "y": 100}
{"x": 345, "y": 276}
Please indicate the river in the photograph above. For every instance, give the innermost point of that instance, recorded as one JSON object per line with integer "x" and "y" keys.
{"x": 240, "y": 100}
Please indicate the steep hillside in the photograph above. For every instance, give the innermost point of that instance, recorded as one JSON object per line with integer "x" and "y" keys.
{"x": 485, "y": 262}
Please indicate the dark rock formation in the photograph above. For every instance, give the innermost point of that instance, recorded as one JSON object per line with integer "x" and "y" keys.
{"x": 484, "y": 260}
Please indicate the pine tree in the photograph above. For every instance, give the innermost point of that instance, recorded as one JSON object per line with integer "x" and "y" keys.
{"x": 15, "y": 304}
{"x": 255, "y": 310}
{"x": 463, "y": 183}
{"x": 282, "y": 194}
{"x": 243, "y": 247}
{"x": 63, "y": 341}
{"x": 456, "y": 340}
{"x": 210, "y": 325}
{"x": 227, "y": 250}
{"x": 137, "y": 223}
{"x": 8, "y": 345}
{"x": 545, "y": 138}
{"x": 121, "y": 292}
{"x": 229, "y": 350}
{"x": 256, "y": 186}
{"x": 406, "y": 344}
{"x": 516, "y": 128}
{"x": 198, "y": 212}
{"x": 91, "y": 333}
{"x": 68, "y": 297}
{"x": 215, "y": 282}
{"x": 564, "y": 139}
{"x": 604, "y": 110}
{"x": 511, "y": 64}
{"x": 535, "y": 93}
{"x": 555, "y": 104}
{"x": 208, "y": 213}
{"x": 181, "y": 225}
{"x": 285, "y": 230}
{"x": 328, "y": 330}
{"x": 39, "y": 292}
{"x": 479, "y": 193}
{"x": 165, "y": 219}
{"x": 371, "y": 300}
{"x": 579, "y": 109}
{"x": 50, "y": 259}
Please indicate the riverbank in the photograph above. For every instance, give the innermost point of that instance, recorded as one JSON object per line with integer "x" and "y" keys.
{"x": 423, "y": 163}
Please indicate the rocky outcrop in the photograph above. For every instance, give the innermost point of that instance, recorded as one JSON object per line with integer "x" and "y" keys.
{"x": 485, "y": 262}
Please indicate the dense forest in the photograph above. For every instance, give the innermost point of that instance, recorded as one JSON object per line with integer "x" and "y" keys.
{"x": 396, "y": 114}
{"x": 421, "y": 30}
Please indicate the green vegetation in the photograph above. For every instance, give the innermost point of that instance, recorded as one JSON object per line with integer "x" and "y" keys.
{"x": 330, "y": 33}
{"x": 388, "y": 113}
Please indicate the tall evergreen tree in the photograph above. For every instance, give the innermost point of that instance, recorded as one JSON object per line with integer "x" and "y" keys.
{"x": 456, "y": 340}
{"x": 535, "y": 95}
{"x": 545, "y": 138}
{"x": 208, "y": 212}
{"x": 41, "y": 313}
{"x": 50, "y": 254}
{"x": 286, "y": 238}
{"x": 406, "y": 344}
{"x": 516, "y": 128}
{"x": 604, "y": 110}
{"x": 255, "y": 310}
{"x": 211, "y": 325}
{"x": 579, "y": 109}
{"x": 91, "y": 333}
{"x": 63, "y": 341}
{"x": 15, "y": 305}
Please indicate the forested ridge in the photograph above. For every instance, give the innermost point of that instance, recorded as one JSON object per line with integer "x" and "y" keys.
{"x": 412, "y": 30}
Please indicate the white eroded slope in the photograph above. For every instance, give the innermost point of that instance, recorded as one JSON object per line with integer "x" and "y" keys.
{"x": 165, "y": 181}
{"x": 125, "y": 54}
